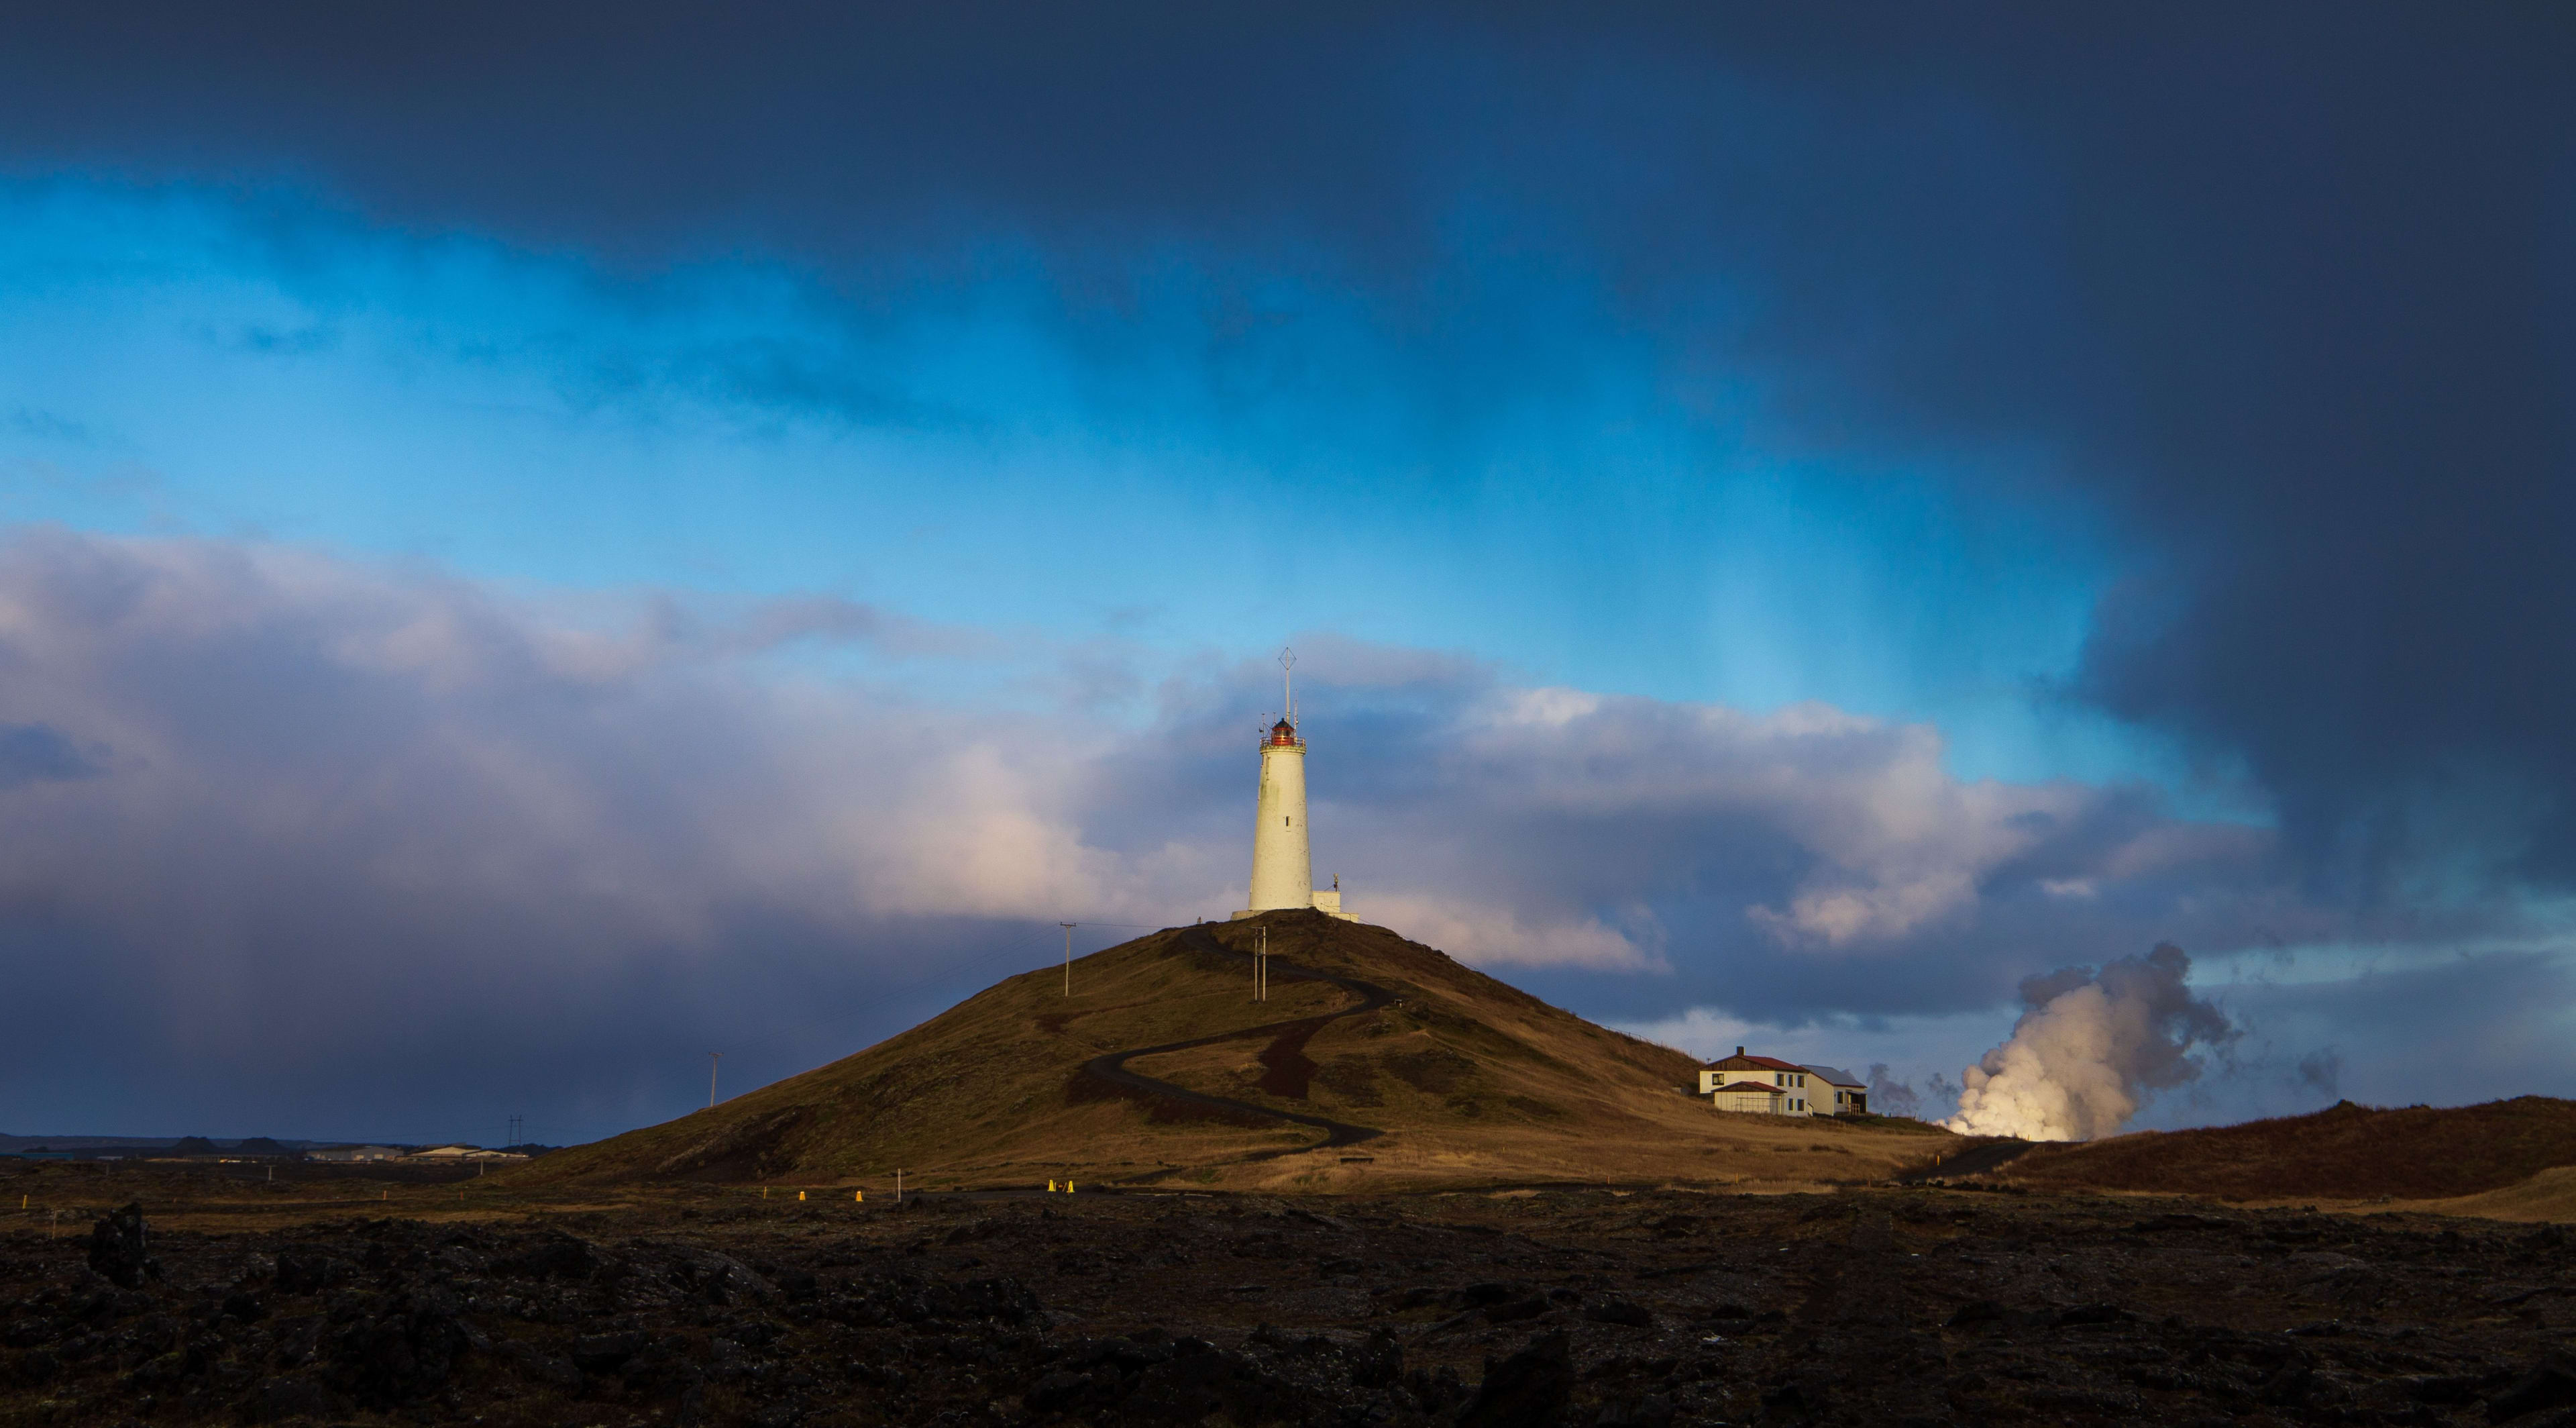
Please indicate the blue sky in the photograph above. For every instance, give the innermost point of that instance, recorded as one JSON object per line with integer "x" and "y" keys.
{"x": 1851, "y": 517}
{"x": 991, "y": 449}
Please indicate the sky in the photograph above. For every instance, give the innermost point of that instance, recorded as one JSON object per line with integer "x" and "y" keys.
{"x": 537, "y": 546}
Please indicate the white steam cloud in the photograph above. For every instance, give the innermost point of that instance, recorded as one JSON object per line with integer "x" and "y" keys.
{"x": 2090, "y": 1048}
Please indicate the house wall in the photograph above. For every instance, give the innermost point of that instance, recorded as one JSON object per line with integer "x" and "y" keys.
{"x": 1789, "y": 1103}
{"x": 1815, "y": 1093}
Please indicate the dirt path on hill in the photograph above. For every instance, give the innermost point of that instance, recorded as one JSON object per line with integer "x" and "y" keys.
{"x": 1288, "y": 1040}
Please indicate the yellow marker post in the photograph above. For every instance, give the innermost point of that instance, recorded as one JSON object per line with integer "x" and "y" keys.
{"x": 1068, "y": 1187}
{"x": 800, "y": 1194}
{"x": 1050, "y": 1187}
{"x": 859, "y": 1196}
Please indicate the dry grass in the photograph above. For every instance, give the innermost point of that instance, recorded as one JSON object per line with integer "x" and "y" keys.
{"x": 2344, "y": 1152}
{"x": 1472, "y": 1081}
{"x": 2548, "y": 1196}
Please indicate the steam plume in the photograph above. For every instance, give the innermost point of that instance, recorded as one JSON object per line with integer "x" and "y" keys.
{"x": 2090, "y": 1047}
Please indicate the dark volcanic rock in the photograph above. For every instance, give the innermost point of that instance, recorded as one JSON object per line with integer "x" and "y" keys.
{"x": 119, "y": 1248}
{"x": 554, "y": 1256}
{"x": 1619, "y": 1311}
{"x": 2551, "y": 1384}
{"x": 606, "y": 1353}
{"x": 304, "y": 1269}
{"x": 1857, "y": 1310}
{"x": 281, "y": 1399}
{"x": 1527, "y": 1390}
{"x": 398, "y": 1347}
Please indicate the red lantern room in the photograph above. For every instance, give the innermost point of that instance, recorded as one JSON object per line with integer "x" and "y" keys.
{"x": 1282, "y": 735}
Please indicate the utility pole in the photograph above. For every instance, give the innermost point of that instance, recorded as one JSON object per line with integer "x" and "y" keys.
{"x": 1068, "y": 955}
{"x": 714, "y": 1059}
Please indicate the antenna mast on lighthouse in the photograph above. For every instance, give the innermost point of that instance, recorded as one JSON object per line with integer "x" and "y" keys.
{"x": 1288, "y": 681}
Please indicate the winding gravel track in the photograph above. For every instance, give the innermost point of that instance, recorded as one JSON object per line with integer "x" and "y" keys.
{"x": 1112, "y": 1068}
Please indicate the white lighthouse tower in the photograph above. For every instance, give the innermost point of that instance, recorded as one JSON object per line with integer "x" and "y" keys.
{"x": 1282, "y": 868}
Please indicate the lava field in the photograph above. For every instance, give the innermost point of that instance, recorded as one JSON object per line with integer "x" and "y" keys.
{"x": 1877, "y": 1307}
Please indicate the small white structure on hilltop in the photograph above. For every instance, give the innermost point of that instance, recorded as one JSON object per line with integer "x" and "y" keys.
{"x": 1282, "y": 868}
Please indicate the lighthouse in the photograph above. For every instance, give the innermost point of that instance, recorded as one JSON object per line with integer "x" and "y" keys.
{"x": 1282, "y": 868}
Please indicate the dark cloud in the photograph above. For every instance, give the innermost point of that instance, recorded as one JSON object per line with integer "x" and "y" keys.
{"x": 35, "y": 753}
{"x": 2282, "y": 292}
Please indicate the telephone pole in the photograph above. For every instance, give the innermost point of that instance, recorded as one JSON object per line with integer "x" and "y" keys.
{"x": 1068, "y": 955}
{"x": 714, "y": 1059}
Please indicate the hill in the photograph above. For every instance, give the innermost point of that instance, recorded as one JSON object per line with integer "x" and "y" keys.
{"x": 1376, "y": 1063}
{"x": 2345, "y": 1152}
{"x": 2550, "y": 1195}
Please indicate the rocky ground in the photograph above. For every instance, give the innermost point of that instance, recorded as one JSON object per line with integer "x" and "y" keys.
{"x": 1880, "y": 1307}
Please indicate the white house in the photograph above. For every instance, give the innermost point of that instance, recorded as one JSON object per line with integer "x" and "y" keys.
{"x": 1761, "y": 1085}
{"x": 1850, "y": 1094}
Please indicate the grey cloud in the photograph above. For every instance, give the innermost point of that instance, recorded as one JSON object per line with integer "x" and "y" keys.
{"x": 1889, "y": 1096}
{"x": 2321, "y": 1071}
{"x": 384, "y": 839}
{"x": 37, "y": 753}
{"x": 372, "y": 843}
{"x": 1762, "y": 862}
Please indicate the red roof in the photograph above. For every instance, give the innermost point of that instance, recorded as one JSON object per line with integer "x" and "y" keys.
{"x": 1738, "y": 1063}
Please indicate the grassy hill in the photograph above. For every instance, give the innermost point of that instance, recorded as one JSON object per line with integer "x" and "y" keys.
{"x": 2344, "y": 1152}
{"x": 1461, "y": 1078}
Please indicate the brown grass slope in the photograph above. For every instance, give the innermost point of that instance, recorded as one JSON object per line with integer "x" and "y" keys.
{"x": 1467, "y": 1079}
{"x": 2343, "y": 1152}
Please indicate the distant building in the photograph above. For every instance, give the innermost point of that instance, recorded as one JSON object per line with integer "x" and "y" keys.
{"x": 1761, "y": 1085}
{"x": 457, "y": 1154}
{"x": 1850, "y": 1093}
{"x": 358, "y": 1152}
{"x": 1282, "y": 870}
